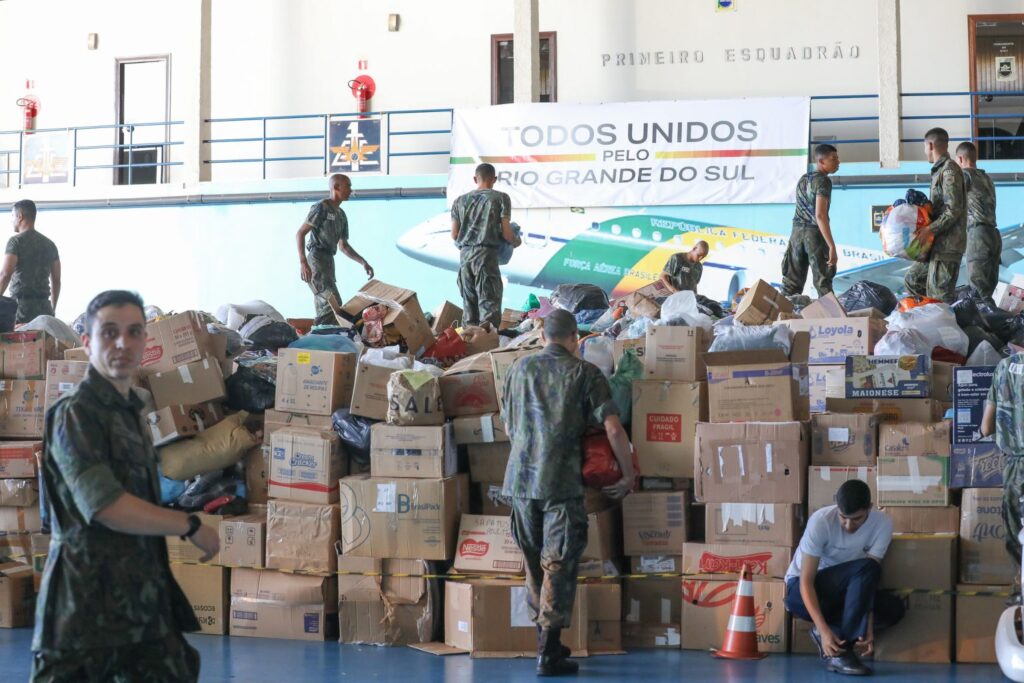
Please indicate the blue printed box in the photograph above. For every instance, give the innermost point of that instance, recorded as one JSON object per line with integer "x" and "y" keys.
{"x": 888, "y": 377}
{"x": 975, "y": 466}
{"x": 970, "y": 389}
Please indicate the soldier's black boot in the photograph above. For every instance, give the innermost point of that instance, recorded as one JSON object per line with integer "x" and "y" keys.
{"x": 566, "y": 652}
{"x": 550, "y": 658}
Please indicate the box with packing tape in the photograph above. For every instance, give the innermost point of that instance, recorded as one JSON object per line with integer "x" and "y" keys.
{"x": 21, "y": 408}
{"x": 752, "y": 386}
{"x": 305, "y": 465}
{"x": 756, "y": 462}
{"x": 914, "y": 438}
{"x": 913, "y": 480}
{"x": 775, "y": 524}
{"x": 176, "y": 422}
{"x": 188, "y": 384}
{"x": 729, "y": 558}
{"x": 707, "y": 605}
{"x": 301, "y": 536}
{"x": 652, "y": 607}
{"x": 19, "y": 492}
{"x": 377, "y": 608}
{"x": 676, "y": 353}
{"x": 665, "y": 415}
{"x": 761, "y": 305}
{"x": 206, "y": 587}
{"x": 844, "y": 439}
{"x": 983, "y": 556}
{"x": 834, "y": 340}
{"x": 823, "y": 483}
{"x": 279, "y": 419}
{"x": 402, "y": 518}
{"x": 315, "y": 382}
{"x": 422, "y": 452}
{"x": 825, "y": 382}
{"x": 485, "y": 546}
{"x": 179, "y": 339}
{"x": 370, "y": 390}
{"x": 269, "y": 604}
{"x": 243, "y": 540}
{"x": 970, "y": 390}
{"x": 655, "y": 522}
{"x": 473, "y": 429}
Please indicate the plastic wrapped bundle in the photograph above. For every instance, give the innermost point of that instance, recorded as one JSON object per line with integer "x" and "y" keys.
{"x": 582, "y": 297}
{"x": 867, "y": 294}
{"x": 752, "y": 338}
{"x": 936, "y": 322}
{"x": 901, "y": 233}
{"x": 903, "y": 343}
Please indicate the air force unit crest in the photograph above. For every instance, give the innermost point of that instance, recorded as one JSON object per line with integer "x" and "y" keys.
{"x": 354, "y": 145}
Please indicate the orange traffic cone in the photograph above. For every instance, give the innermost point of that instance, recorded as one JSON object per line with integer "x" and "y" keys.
{"x": 741, "y": 633}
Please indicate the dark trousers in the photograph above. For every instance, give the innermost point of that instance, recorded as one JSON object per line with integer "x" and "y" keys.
{"x": 847, "y": 593}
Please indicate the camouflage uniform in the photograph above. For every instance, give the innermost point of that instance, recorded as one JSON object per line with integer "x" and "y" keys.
{"x": 984, "y": 243}
{"x": 479, "y": 214}
{"x": 551, "y": 399}
{"x": 807, "y": 246}
{"x": 107, "y": 600}
{"x": 683, "y": 273}
{"x": 937, "y": 277}
{"x": 30, "y": 286}
{"x": 1007, "y": 395}
{"x": 330, "y": 225}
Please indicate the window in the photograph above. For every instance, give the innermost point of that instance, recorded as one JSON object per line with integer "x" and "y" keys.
{"x": 142, "y": 85}
{"x": 501, "y": 68}
{"x": 997, "y": 60}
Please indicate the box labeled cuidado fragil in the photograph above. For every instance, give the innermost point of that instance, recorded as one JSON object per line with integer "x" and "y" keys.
{"x": 402, "y": 518}
{"x": 422, "y": 452}
{"x": 301, "y": 536}
{"x": 305, "y": 465}
{"x": 21, "y": 408}
{"x": 675, "y": 353}
{"x": 61, "y": 377}
{"x": 665, "y": 415}
{"x": 983, "y": 556}
{"x": 206, "y": 587}
{"x": 467, "y": 387}
{"x": 188, "y": 384}
{"x": 179, "y": 339}
{"x": 729, "y": 558}
{"x": 19, "y": 459}
{"x": 914, "y": 438}
{"x": 970, "y": 390}
{"x": 844, "y": 439}
{"x": 913, "y": 480}
{"x": 486, "y": 546}
{"x": 707, "y": 606}
{"x": 823, "y": 484}
{"x": 315, "y": 382}
{"x": 774, "y": 524}
{"x": 755, "y": 462}
{"x": 655, "y": 522}
{"x": 269, "y": 604}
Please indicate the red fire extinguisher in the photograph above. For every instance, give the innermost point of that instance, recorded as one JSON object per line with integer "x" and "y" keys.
{"x": 30, "y": 103}
{"x": 363, "y": 88}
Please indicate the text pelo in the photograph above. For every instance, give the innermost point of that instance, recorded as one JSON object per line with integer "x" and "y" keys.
{"x": 636, "y": 133}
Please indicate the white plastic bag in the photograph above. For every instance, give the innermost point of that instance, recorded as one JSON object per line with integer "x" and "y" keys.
{"x": 936, "y": 322}
{"x": 387, "y": 357}
{"x": 903, "y": 343}
{"x": 236, "y": 315}
{"x": 601, "y": 352}
{"x": 683, "y": 306}
{"x": 984, "y": 355}
{"x": 899, "y": 234}
{"x": 55, "y": 327}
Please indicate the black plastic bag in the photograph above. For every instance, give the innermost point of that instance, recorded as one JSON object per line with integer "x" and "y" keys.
{"x": 710, "y": 307}
{"x": 248, "y": 390}
{"x": 273, "y": 336}
{"x": 867, "y": 294}
{"x": 1001, "y": 323}
{"x": 976, "y": 335}
{"x": 576, "y": 298}
{"x": 354, "y": 432}
{"x": 8, "y": 313}
{"x": 966, "y": 311}
{"x": 208, "y": 487}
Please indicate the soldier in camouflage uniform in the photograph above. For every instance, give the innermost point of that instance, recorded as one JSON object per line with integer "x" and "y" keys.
{"x": 327, "y": 227}
{"x": 984, "y": 243}
{"x": 480, "y": 222}
{"x": 1004, "y": 417}
{"x": 811, "y": 243}
{"x": 937, "y": 277}
{"x": 109, "y": 608}
{"x": 683, "y": 270}
{"x": 550, "y": 399}
{"x": 31, "y": 264}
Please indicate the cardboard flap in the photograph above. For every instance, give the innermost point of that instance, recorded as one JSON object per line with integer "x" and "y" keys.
{"x": 439, "y": 649}
{"x": 481, "y": 362}
{"x": 800, "y": 347}
{"x": 720, "y": 359}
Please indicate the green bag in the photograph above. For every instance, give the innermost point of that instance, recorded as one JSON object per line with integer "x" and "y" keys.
{"x": 628, "y": 368}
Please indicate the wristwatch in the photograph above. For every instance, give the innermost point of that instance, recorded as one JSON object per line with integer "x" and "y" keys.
{"x": 193, "y": 526}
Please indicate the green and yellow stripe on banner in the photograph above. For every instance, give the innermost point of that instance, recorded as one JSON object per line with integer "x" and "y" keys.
{"x": 527, "y": 159}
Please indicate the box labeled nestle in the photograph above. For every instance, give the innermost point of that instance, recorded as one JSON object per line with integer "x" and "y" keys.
{"x": 655, "y": 522}
{"x": 305, "y": 465}
{"x": 179, "y": 339}
{"x": 485, "y": 545}
{"x": 315, "y": 382}
{"x": 665, "y": 415}
{"x": 970, "y": 389}
{"x": 889, "y": 377}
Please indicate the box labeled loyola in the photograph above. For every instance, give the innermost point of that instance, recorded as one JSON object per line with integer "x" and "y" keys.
{"x": 665, "y": 415}
{"x": 970, "y": 389}
{"x": 844, "y": 439}
{"x": 675, "y": 353}
{"x": 305, "y": 465}
{"x": 755, "y": 462}
{"x": 655, "y": 522}
{"x": 777, "y": 524}
{"x": 402, "y": 518}
{"x": 707, "y": 605}
{"x": 983, "y": 556}
{"x": 423, "y": 452}
{"x": 834, "y": 340}
{"x": 913, "y": 480}
{"x": 485, "y": 545}
{"x": 266, "y": 604}
{"x": 315, "y": 382}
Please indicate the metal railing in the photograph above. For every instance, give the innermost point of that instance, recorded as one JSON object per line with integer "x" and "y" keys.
{"x": 12, "y": 144}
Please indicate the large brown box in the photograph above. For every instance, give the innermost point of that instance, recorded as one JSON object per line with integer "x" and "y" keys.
{"x": 25, "y": 354}
{"x": 604, "y": 535}
{"x": 758, "y": 462}
{"x": 762, "y": 523}
{"x": 370, "y": 390}
{"x": 924, "y": 520}
{"x": 177, "y": 340}
{"x": 188, "y": 384}
{"x": 849, "y": 439}
{"x": 676, "y": 354}
{"x": 21, "y": 408}
{"x": 377, "y": 608}
{"x": 421, "y": 452}
{"x": 655, "y": 522}
{"x": 914, "y": 438}
{"x": 664, "y": 418}
{"x": 467, "y": 388}
{"x": 206, "y": 588}
{"x": 19, "y": 459}
{"x": 473, "y": 429}
{"x": 976, "y": 620}
{"x": 707, "y": 605}
{"x": 924, "y": 635}
{"x": 269, "y": 604}
{"x": 913, "y": 480}
{"x": 314, "y": 382}
{"x": 652, "y": 607}
{"x": 17, "y": 599}
{"x": 184, "y": 550}
{"x": 752, "y": 386}
{"x": 761, "y": 305}
{"x": 488, "y": 461}
{"x": 301, "y": 536}
{"x": 486, "y": 546}
{"x": 729, "y": 558}
{"x": 892, "y": 409}
{"x": 173, "y": 423}
{"x": 61, "y": 377}
{"x": 925, "y": 561}
{"x": 305, "y": 465}
{"x": 823, "y": 483}
{"x": 983, "y": 556}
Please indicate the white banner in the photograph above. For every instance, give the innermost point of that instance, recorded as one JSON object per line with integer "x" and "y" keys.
{"x": 746, "y": 151}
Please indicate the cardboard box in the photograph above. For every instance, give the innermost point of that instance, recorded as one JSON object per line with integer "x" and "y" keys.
{"x": 924, "y": 561}
{"x": 914, "y": 438}
{"x": 243, "y": 541}
{"x": 755, "y": 386}
{"x": 25, "y": 354}
{"x": 267, "y": 604}
{"x": 184, "y": 551}
{"x": 620, "y": 346}
{"x": 833, "y": 341}
{"x": 777, "y": 524}
{"x": 301, "y": 536}
{"x": 511, "y": 317}
{"x": 502, "y": 361}
{"x": 897, "y": 377}
{"x": 800, "y": 642}
{"x": 370, "y": 391}
{"x": 665, "y": 415}
{"x": 19, "y": 492}
{"x": 173, "y": 423}
{"x": 488, "y": 462}
{"x": 826, "y": 307}
{"x": 188, "y": 384}
{"x": 405, "y": 319}
{"x": 422, "y": 452}
{"x": 402, "y": 518}
{"x": 314, "y": 382}
{"x": 655, "y": 522}
{"x": 924, "y": 520}
{"x": 604, "y": 535}
{"x": 257, "y": 469}
{"x": 676, "y": 354}
{"x": 467, "y": 388}
{"x": 970, "y": 389}
{"x": 707, "y": 604}
{"x": 983, "y": 556}
{"x": 79, "y": 353}
{"x": 823, "y": 483}
{"x": 825, "y": 382}
{"x": 19, "y": 459}
{"x": 976, "y": 620}
{"x": 913, "y": 480}
{"x": 729, "y": 558}
{"x": 61, "y": 377}
{"x": 486, "y": 546}
{"x": 176, "y": 340}
{"x": 480, "y": 338}
{"x": 21, "y": 408}
{"x": 844, "y": 439}
{"x": 924, "y": 635}
{"x": 274, "y": 420}
{"x": 444, "y": 317}
{"x": 891, "y": 409}
{"x": 207, "y": 589}
{"x": 305, "y": 465}
{"x": 20, "y": 520}
{"x": 17, "y": 599}
{"x": 976, "y": 466}
{"x": 382, "y": 609}
{"x": 761, "y": 305}
{"x": 473, "y": 429}
{"x": 652, "y": 607}
{"x": 756, "y": 462}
